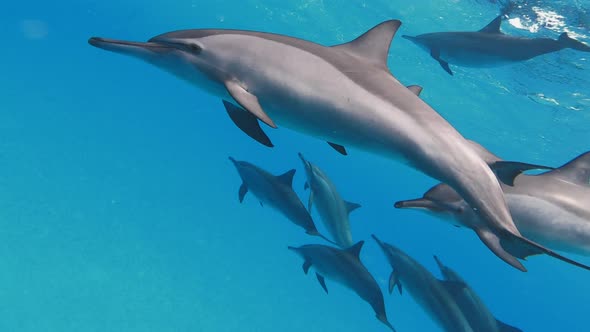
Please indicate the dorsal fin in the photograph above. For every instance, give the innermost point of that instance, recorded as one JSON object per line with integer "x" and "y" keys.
{"x": 355, "y": 250}
{"x": 416, "y": 89}
{"x": 576, "y": 171}
{"x": 287, "y": 177}
{"x": 493, "y": 26}
{"x": 374, "y": 44}
{"x": 350, "y": 206}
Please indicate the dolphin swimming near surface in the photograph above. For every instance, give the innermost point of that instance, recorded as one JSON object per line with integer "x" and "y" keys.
{"x": 276, "y": 192}
{"x": 489, "y": 47}
{"x": 430, "y": 293}
{"x": 343, "y": 94}
{"x": 331, "y": 207}
{"x": 550, "y": 208}
{"x": 345, "y": 267}
{"x": 477, "y": 313}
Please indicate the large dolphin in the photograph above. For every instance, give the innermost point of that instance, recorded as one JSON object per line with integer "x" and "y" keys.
{"x": 550, "y": 208}
{"x": 276, "y": 192}
{"x": 331, "y": 207}
{"x": 489, "y": 47}
{"x": 477, "y": 313}
{"x": 345, "y": 267}
{"x": 343, "y": 94}
{"x": 430, "y": 293}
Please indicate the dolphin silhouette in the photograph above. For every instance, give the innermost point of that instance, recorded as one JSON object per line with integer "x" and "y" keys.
{"x": 432, "y": 294}
{"x": 477, "y": 313}
{"x": 276, "y": 192}
{"x": 332, "y": 208}
{"x": 489, "y": 47}
{"x": 343, "y": 94}
{"x": 345, "y": 267}
{"x": 550, "y": 209}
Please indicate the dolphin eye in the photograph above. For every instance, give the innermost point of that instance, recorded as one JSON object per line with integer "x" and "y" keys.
{"x": 194, "y": 48}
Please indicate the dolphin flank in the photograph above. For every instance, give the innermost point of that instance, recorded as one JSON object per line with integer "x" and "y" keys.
{"x": 489, "y": 47}
{"x": 343, "y": 94}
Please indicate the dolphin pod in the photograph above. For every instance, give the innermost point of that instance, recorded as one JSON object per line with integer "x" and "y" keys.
{"x": 343, "y": 94}
{"x": 346, "y": 96}
{"x": 489, "y": 47}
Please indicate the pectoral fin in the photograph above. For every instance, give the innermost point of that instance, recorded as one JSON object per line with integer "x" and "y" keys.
{"x": 394, "y": 281}
{"x": 310, "y": 201}
{"x": 242, "y": 192}
{"x": 248, "y": 101}
{"x": 306, "y": 266}
{"x": 247, "y": 122}
{"x": 435, "y": 53}
{"x": 322, "y": 282}
{"x": 339, "y": 148}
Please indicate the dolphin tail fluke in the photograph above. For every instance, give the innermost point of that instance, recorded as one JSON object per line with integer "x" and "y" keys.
{"x": 510, "y": 247}
{"x": 533, "y": 246}
{"x": 568, "y": 42}
{"x": 492, "y": 241}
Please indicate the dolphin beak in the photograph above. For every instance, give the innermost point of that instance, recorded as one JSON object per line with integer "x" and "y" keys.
{"x": 305, "y": 162}
{"x": 127, "y": 47}
{"x": 421, "y": 203}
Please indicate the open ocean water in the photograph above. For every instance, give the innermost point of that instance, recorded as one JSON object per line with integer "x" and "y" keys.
{"x": 119, "y": 207}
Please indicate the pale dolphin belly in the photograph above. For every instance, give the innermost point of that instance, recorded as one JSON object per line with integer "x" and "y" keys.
{"x": 549, "y": 224}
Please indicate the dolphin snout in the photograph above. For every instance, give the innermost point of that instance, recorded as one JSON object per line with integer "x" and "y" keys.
{"x": 422, "y": 203}
{"x": 128, "y": 47}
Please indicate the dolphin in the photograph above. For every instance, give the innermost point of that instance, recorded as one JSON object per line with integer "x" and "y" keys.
{"x": 332, "y": 208}
{"x": 343, "y": 94}
{"x": 477, "y": 313}
{"x": 550, "y": 208}
{"x": 276, "y": 192}
{"x": 345, "y": 267}
{"x": 430, "y": 293}
{"x": 489, "y": 47}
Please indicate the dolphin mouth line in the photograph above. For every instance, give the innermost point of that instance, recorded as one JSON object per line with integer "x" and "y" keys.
{"x": 100, "y": 42}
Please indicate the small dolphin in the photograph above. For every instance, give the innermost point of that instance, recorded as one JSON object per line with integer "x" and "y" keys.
{"x": 430, "y": 293}
{"x": 477, "y": 313}
{"x": 345, "y": 267}
{"x": 550, "y": 209}
{"x": 276, "y": 192}
{"x": 332, "y": 208}
{"x": 489, "y": 47}
{"x": 343, "y": 94}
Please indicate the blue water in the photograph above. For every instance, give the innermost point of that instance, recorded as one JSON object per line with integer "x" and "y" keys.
{"x": 119, "y": 207}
